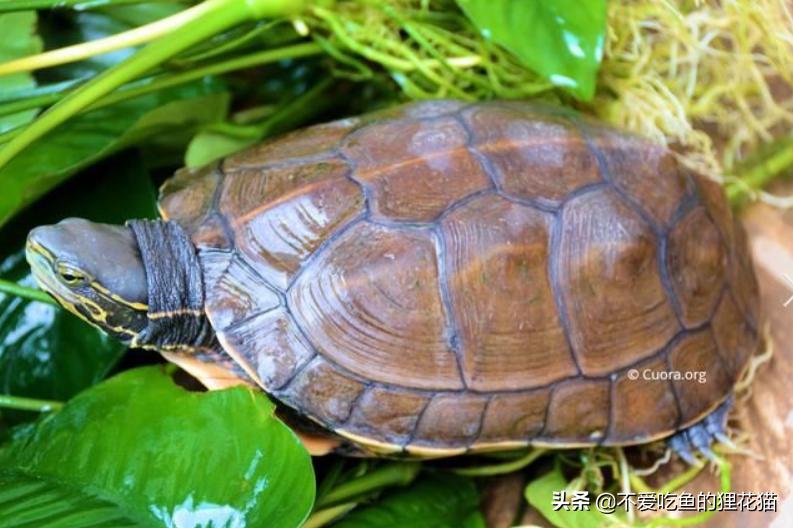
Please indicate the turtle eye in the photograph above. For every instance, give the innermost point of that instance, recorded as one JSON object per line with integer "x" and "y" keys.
{"x": 70, "y": 275}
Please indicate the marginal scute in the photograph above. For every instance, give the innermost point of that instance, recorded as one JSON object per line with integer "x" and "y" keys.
{"x": 534, "y": 156}
{"x": 306, "y": 203}
{"x": 514, "y": 416}
{"x": 742, "y": 278}
{"x": 270, "y": 345}
{"x": 647, "y": 172}
{"x": 386, "y": 414}
{"x": 617, "y": 307}
{"x": 450, "y": 420}
{"x": 187, "y": 196}
{"x": 501, "y": 295}
{"x": 311, "y": 143}
{"x": 736, "y": 339}
{"x": 238, "y": 293}
{"x": 323, "y": 392}
{"x": 414, "y": 111}
{"x": 643, "y": 402}
{"x": 578, "y": 412}
{"x": 711, "y": 195}
{"x": 371, "y": 302}
{"x": 414, "y": 170}
{"x": 211, "y": 233}
{"x": 697, "y": 262}
{"x": 697, "y": 357}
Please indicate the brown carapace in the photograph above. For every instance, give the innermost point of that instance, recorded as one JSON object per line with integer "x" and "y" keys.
{"x": 445, "y": 277}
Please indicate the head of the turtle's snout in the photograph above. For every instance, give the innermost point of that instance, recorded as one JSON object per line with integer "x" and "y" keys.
{"x": 93, "y": 270}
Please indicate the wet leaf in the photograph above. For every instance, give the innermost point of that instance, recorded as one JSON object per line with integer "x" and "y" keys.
{"x": 433, "y": 501}
{"x": 137, "y": 450}
{"x": 561, "y": 40}
{"x": 540, "y": 492}
{"x": 91, "y": 137}
{"x": 19, "y": 40}
{"x": 63, "y": 27}
{"x": 207, "y": 147}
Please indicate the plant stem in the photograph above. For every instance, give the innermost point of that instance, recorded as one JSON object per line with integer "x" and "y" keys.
{"x": 84, "y": 50}
{"x": 208, "y": 18}
{"x": 165, "y": 81}
{"x": 502, "y": 468}
{"x": 725, "y": 478}
{"x": 28, "y": 103}
{"x": 323, "y": 517}
{"x": 8, "y": 6}
{"x": 28, "y": 404}
{"x": 760, "y": 175}
{"x": 394, "y": 474}
{"x": 297, "y": 110}
{"x": 247, "y": 61}
{"x": 34, "y": 294}
{"x": 682, "y": 479}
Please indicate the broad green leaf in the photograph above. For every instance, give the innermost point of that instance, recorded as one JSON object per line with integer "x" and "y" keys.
{"x": 540, "y": 492}
{"x": 19, "y": 40}
{"x": 208, "y": 146}
{"x": 433, "y": 501}
{"x": 167, "y": 119}
{"x": 63, "y": 27}
{"x": 138, "y": 450}
{"x": 88, "y": 138}
{"x": 46, "y": 352}
{"x": 562, "y": 40}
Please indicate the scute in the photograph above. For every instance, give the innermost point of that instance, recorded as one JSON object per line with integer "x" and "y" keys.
{"x": 306, "y": 145}
{"x": 578, "y": 413}
{"x": 305, "y": 204}
{"x": 372, "y": 303}
{"x": 188, "y": 195}
{"x": 323, "y": 392}
{"x": 696, "y": 355}
{"x": 646, "y": 173}
{"x": 616, "y": 303}
{"x": 515, "y": 417}
{"x": 389, "y": 415}
{"x": 414, "y": 170}
{"x": 445, "y": 277}
{"x": 451, "y": 420}
{"x": 534, "y": 155}
{"x": 510, "y": 333}
{"x": 644, "y": 401}
{"x": 697, "y": 262}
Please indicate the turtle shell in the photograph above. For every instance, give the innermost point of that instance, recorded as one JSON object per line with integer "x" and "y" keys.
{"x": 445, "y": 277}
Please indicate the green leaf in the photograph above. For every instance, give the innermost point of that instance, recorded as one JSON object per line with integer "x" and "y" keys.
{"x": 433, "y": 501}
{"x": 85, "y": 139}
{"x": 540, "y": 492}
{"x": 62, "y": 28}
{"x": 46, "y": 352}
{"x": 562, "y": 40}
{"x": 209, "y": 146}
{"x": 19, "y": 40}
{"x": 137, "y": 450}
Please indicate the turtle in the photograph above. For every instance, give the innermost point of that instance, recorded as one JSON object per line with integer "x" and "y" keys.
{"x": 438, "y": 278}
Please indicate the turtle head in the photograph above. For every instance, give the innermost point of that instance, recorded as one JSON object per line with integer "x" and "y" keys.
{"x": 93, "y": 270}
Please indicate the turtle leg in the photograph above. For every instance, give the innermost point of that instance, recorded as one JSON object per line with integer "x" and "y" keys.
{"x": 700, "y": 436}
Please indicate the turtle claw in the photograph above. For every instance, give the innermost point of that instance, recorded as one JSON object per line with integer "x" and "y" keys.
{"x": 700, "y": 436}
{"x": 679, "y": 444}
{"x": 725, "y": 440}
